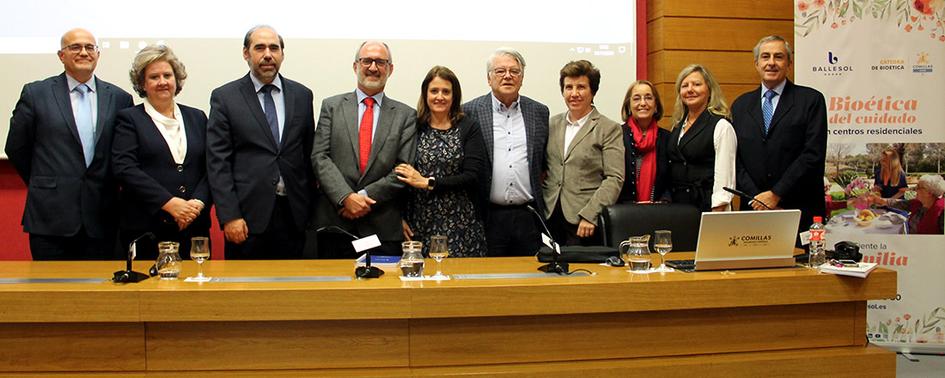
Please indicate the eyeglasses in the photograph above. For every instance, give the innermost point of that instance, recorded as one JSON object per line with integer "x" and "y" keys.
{"x": 77, "y": 48}
{"x": 637, "y": 99}
{"x": 501, "y": 72}
{"x": 367, "y": 62}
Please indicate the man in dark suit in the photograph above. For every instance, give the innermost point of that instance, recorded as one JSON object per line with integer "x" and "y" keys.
{"x": 782, "y": 137}
{"x": 515, "y": 130}
{"x": 259, "y": 138}
{"x": 60, "y": 144}
{"x": 361, "y": 137}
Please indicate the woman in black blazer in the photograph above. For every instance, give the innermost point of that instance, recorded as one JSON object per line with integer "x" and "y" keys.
{"x": 449, "y": 164}
{"x": 159, "y": 158}
{"x": 645, "y": 143}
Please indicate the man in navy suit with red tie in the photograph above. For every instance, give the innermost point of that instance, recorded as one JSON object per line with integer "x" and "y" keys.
{"x": 782, "y": 137}
{"x": 60, "y": 143}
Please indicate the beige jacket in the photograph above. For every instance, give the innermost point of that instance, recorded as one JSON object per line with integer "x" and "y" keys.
{"x": 590, "y": 174}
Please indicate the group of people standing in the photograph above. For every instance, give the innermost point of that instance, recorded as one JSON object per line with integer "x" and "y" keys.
{"x": 480, "y": 172}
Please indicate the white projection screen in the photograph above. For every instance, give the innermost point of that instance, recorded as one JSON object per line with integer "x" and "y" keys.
{"x": 321, "y": 40}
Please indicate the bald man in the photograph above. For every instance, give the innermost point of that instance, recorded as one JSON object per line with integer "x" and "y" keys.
{"x": 60, "y": 144}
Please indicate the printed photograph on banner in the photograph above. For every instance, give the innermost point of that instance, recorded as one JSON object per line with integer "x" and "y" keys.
{"x": 885, "y": 188}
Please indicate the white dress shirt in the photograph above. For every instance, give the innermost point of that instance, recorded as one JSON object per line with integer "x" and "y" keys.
{"x": 778, "y": 90}
{"x": 572, "y": 128}
{"x": 74, "y": 96}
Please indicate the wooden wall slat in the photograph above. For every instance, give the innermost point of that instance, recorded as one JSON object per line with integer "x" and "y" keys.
{"x": 750, "y": 9}
{"x": 716, "y": 34}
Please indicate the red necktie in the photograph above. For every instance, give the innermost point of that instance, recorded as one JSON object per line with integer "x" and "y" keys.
{"x": 364, "y": 133}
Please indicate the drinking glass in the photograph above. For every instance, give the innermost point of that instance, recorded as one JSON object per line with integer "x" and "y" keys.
{"x": 663, "y": 243}
{"x": 200, "y": 252}
{"x": 168, "y": 261}
{"x": 439, "y": 250}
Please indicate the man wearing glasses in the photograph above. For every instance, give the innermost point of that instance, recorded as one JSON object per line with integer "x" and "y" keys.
{"x": 259, "y": 137}
{"x": 361, "y": 137}
{"x": 60, "y": 144}
{"x": 515, "y": 130}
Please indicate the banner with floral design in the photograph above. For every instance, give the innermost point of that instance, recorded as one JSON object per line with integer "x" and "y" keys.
{"x": 881, "y": 67}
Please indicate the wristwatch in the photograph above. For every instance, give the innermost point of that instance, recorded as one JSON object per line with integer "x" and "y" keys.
{"x": 431, "y": 182}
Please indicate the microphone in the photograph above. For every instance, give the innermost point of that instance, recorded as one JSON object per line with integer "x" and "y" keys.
{"x": 129, "y": 275}
{"x": 554, "y": 266}
{"x": 366, "y": 271}
{"x": 745, "y": 196}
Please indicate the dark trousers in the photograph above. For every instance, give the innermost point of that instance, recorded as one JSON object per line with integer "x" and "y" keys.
{"x": 565, "y": 233}
{"x": 77, "y": 247}
{"x": 512, "y": 231}
{"x": 281, "y": 240}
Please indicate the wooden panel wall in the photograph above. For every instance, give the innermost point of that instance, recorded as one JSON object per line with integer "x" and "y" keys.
{"x": 718, "y": 34}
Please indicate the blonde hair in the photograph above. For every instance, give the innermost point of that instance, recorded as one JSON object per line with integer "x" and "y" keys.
{"x": 891, "y": 169}
{"x": 716, "y": 104}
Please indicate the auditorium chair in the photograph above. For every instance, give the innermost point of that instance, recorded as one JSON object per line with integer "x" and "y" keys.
{"x": 629, "y": 219}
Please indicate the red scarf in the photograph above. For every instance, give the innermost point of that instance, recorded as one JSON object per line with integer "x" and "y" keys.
{"x": 646, "y": 149}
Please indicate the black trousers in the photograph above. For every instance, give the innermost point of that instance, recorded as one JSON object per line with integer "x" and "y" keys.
{"x": 281, "y": 240}
{"x": 512, "y": 231}
{"x": 565, "y": 233}
{"x": 77, "y": 247}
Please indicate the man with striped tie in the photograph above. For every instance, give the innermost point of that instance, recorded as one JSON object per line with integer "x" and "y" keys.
{"x": 782, "y": 137}
{"x": 60, "y": 143}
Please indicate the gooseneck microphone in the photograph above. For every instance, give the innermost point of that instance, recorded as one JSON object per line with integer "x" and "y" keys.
{"x": 745, "y": 196}
{"x": 129, "y": 275}
{"x": 366, "y": 271}
{"x": 554, "y": 266}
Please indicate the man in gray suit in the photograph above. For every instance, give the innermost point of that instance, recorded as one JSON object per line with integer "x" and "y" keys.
{"x": 515, "y": 130}
{"x": 259, "y": 138}
{"x": 361, "y": 137}
{"x": 60, "y": 144}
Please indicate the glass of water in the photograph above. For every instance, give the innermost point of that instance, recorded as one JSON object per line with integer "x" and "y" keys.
{"x": 439, "y": 250}
{"x": 200, "y": 252}
{"x": 663, "y": 243}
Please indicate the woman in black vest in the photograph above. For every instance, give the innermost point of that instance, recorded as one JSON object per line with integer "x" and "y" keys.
{"x": 701, "y": 148}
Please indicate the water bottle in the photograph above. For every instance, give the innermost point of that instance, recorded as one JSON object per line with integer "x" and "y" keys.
{"x": 817, "y": 254}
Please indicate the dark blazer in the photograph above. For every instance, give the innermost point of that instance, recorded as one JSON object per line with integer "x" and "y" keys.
{"x": 535, "y": 116}
{"x": 63, "y": 196}
{"x": 335, "y": 162}
{"x": 148, "y": 175}
{"x": 629, "y": 191}
{"x": 790, "y": 160}
{"x": 474, "y": 157}
{"x": 243, "y": 161}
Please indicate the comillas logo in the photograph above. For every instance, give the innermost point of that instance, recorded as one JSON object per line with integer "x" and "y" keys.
{"x": 833, "y": 68}
{"x": 922, "y": 63}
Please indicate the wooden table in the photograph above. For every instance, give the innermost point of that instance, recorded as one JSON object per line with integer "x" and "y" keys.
{"x": 756, "y": 323}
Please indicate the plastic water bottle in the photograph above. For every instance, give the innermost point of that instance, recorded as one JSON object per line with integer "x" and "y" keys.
{"x": 817, "y": 254}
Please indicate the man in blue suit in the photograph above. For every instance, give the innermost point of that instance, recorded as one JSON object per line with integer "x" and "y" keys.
{"x": 515, "y": 130}
{"x": 60, "y": 144}
{"x": 782, "y": 137}
{"x": 259, "y": 139}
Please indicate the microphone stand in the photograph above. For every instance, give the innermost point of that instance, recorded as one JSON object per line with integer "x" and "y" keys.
{"x": 129, "y": 275}
{"x": 366, "y": 271}
{"x": 554, "y": 266}
{"x": 745, "y": 196}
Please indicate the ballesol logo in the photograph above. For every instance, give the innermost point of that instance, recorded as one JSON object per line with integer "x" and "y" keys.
{"x": 832, "y": 69}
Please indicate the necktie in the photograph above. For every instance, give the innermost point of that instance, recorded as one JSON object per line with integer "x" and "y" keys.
{"x": 84, "y": 124}
{"x": 767, "y": 109}
{"x": 270, "y": 109}
{"x": 364, "y": 134}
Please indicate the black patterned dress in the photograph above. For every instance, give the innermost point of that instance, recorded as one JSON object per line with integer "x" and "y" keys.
{"x": 444, "y": 212}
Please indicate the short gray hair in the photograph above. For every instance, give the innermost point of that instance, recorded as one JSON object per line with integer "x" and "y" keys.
{"x": 505, "y": 51}
{"x": 773, "y": 38}
{"x": 390, "y": 56}
{"x": 151, "y": 54}
{"x": 935, "y": 184}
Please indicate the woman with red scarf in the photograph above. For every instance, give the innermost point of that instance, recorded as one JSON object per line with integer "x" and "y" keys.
{"x": 644, "y": 139}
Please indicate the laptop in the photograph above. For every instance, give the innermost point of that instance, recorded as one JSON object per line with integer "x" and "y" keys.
{"x": 744, "y": 240}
